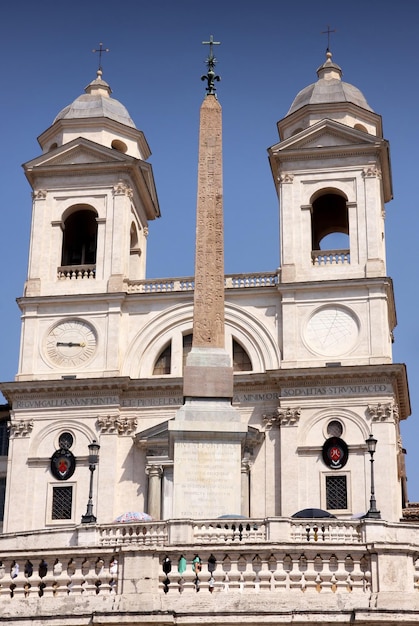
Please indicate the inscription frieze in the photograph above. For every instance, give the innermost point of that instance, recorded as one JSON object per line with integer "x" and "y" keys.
{"x": 59, "y": 403}
{"x": 337, "y": 390}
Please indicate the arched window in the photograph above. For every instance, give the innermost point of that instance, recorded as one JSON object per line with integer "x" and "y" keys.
{"x": 330, "y": 222}
{"x": 80, "y": 238}
{"x": 163, "y": 364}
{"x": 360, "y": 127}
{"x": 186, "y": 347}
{"x": 135, "y": 254}
{"x": 241, "y": 360}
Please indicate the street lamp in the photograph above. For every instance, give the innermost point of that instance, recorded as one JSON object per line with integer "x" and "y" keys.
{"x": 372, "y": 512}
{"x": 94, "y": 447}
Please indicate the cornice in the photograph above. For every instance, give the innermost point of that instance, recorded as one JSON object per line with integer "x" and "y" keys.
{"x": 123, "y": 389}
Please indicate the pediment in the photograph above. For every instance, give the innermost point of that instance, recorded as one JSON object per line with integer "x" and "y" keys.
{"x": 78, "y": 152}
{"x": 326, "y": 133}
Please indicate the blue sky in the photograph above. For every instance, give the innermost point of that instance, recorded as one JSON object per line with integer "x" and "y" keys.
{"x": 270, "y": 50}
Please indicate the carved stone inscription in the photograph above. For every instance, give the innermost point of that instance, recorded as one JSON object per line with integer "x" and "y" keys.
{"x": 206, "y": 479}
{"x": 208, "y": 327}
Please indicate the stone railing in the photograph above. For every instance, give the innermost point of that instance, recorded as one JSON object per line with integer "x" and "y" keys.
{"x": 330, "y": 532}
{"x": 229, "y": 531}
{"x": 330, "y": 257}
{"x": 278, "y": 556}
{"x": 147, "y": 534}
{"x": 221, "y": 531}
{"x": 232, "y": 281}
{"x": 252, "y": 572}
{"x": 58, "y": 575}
{"x": 76, "y": 272}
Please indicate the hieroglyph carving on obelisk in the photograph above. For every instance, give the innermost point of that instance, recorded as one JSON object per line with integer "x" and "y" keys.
{"x": 208, "y": 325}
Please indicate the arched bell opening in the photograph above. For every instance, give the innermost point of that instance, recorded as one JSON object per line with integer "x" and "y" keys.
{"x": 79, "y": 241}
{"x": 330, "y": 226}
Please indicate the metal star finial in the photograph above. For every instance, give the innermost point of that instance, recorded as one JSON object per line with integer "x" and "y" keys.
{"x": 210, "y": 76}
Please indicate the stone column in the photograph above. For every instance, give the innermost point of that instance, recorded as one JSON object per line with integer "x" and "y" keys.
{"x": 245, "y": 486}
{"x": 154, "y": 473}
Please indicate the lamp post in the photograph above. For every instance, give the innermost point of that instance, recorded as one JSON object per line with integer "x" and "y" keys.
{"x": 94, "y": 447}
{"x": 372, "y": 512}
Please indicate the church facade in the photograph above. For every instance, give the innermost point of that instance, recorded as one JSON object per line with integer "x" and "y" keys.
{"x": 277, "y": 498}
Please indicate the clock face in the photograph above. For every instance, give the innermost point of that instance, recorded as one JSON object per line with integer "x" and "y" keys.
{"x": 71, "y": 343}
{"x": 331, "y": 331}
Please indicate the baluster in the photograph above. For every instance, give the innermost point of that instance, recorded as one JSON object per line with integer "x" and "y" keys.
{"x": 241, "y": 568}
{"x": 267, "y": 582}
{"x": 310, "y": 575}
{"x": 226, "y": 571}
{"x": 90, "y": 578}
{"x": 234, "y": 576}
{"x": 318, "y": 571}
{"x": 287, "y": 566}
{"x": 61, "y": 579}
{"x": 333, "y": 568}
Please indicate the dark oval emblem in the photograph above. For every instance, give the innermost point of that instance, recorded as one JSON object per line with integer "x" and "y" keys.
{"x": 335, "y": 453}
{"x": 63, "y": 464}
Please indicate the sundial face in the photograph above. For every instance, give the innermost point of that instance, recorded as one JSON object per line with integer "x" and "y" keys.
{"x": 331, "y": 331}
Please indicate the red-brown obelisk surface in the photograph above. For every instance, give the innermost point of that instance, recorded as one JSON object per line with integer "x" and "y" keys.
{"x": 208, "y": 372}
{"x": 208, "y": 323}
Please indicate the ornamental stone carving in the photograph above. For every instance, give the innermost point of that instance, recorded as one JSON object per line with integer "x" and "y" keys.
{"x": 383, "y": 412}
{"x": 371, "y": 172}
{"x": 283, "y": 417}
{"x": 39, "y": 194}
{"x": 289, "y": 416}
{"x": 115, "y": 424}
{"x": 20, "y": 428}
{"x": 269, "y": 419}
{"x": 154, "y": 470}
{"x": 122, "y": 189}
{"x": 286, "y": 178}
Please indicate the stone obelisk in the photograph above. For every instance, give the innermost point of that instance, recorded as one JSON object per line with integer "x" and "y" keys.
{"x": 207, "y": 433}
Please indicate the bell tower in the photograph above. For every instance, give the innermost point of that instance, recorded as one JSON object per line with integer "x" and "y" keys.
{"x": 93, "y": 196}
{"x": 332, "y": 174}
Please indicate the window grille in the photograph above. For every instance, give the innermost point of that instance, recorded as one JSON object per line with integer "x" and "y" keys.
{"x": 62, "y": 500}
{"x": 336, "y": 493}
{"x": 334, "y": 428}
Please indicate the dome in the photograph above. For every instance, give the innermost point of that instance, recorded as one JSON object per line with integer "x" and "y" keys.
{"x": 96, "y": 102}
{"x": 329, "y": 89}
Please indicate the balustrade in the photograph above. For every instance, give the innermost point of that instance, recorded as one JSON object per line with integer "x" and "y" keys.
{"x": 232, "y": 281}
{"x": 147, "y": 534}
{"x": 310, "y": 571}
{"x": 76, "y": 272}
{"x": 52, "y": 576}
{"x": 330, "y": 257}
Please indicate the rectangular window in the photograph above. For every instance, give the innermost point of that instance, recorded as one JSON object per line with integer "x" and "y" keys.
{"x": 2, "y": 496}
{"x": 4, "y": 438}
{"x": 336, "y": 493}
{"x": 62, "y": 500}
